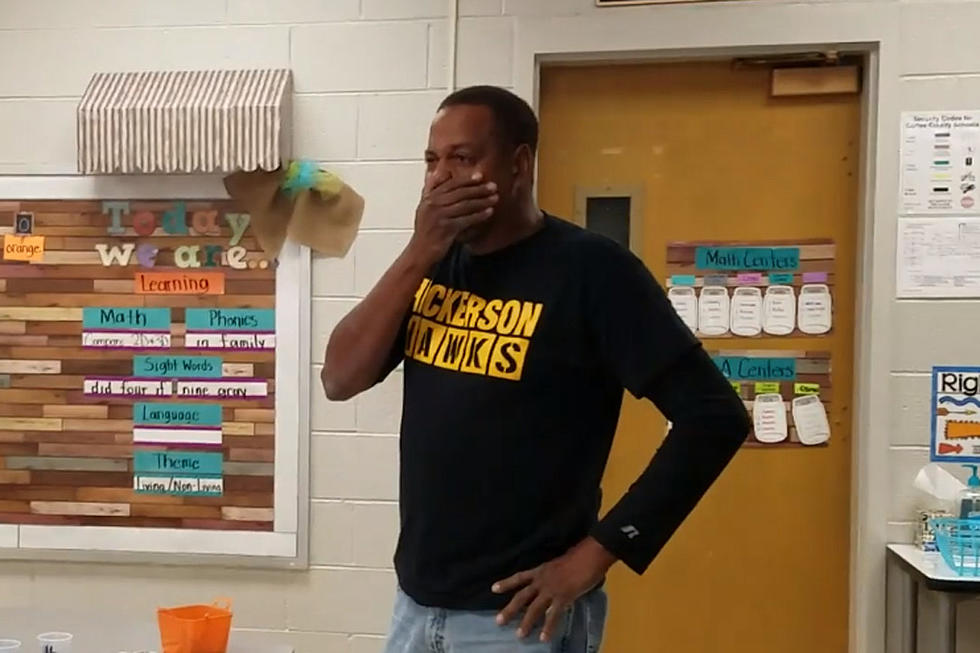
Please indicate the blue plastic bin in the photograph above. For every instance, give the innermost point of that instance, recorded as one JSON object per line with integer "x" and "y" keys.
{"x": 958, "y": 541}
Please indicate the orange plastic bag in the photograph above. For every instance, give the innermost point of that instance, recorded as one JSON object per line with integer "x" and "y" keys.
{"x": 195, "y": 628}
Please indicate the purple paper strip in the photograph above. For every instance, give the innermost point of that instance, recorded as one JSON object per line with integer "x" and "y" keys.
{"x": 123, "y": 348}
{"x": 117, "y": 395}
{"x": 749, "y": 277}
{"x": 178, "y": 445}
{"x": 119, "y": 378}
{"x": 814, "y": 277}
{"x": 126, "y": 331}
{"x": 219, "y": 380}
{"x": 230, "y": 333}
{"x": 229, "y": 349}
{"x": 177, "y": 427}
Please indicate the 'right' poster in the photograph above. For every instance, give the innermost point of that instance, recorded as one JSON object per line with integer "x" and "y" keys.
{"x": 955, "y": 414}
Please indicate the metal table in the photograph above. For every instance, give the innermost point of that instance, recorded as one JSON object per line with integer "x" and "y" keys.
{"x": 97, "y": 633}
{"x": 908, "y": 569}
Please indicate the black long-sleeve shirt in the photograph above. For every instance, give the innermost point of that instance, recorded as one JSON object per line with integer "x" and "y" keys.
{"x": 515, "y": 366}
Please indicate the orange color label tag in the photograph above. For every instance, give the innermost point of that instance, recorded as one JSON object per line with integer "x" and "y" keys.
{"x": 23, "y": 248}
{"x": 180, "y": 282}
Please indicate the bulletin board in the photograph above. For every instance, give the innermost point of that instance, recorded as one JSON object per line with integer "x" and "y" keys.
{"x": 790, "y": 282}
{"x": 764, "y": 291}
{"x": 151, "y": 365}
{"x": 801, "y": 379}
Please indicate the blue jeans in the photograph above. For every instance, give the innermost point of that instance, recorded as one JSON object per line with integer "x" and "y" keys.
{"x": 417, "y": 629}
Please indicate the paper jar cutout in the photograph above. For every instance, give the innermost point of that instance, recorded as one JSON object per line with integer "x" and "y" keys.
{"x": 746, "y": 311}
{"x": 685, "y": 303}
{"x": 779, "y": 311}
{"x": 810, "y": 418}
{"x": 299, "y": 201}
{"x": 814, "y": 309}
{"x": 714, "y": 311}
{"x": 769, "y": 418}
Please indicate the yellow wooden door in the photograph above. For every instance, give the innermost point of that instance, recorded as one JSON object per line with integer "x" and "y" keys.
{"x": 762, "y": 563}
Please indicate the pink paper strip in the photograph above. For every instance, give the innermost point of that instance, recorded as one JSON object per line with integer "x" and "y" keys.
{"x": 814, "y": 277}
{"x": 749, "y": 277}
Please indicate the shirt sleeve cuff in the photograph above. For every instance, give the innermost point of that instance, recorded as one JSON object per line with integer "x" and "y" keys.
{"x": 625, "y": 542}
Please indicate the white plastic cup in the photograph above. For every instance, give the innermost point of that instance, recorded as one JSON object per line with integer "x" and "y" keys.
{"x": 9, "y": 645}
{"x": 54, "y": 642}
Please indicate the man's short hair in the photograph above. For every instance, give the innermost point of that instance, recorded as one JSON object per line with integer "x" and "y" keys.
{"x": 514, "y": 119}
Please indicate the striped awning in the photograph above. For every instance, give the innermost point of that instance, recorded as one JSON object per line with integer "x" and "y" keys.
{"x": 184, "y": 121}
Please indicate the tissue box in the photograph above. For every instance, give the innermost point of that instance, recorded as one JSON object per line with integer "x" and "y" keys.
{"x": 925, "y": 537}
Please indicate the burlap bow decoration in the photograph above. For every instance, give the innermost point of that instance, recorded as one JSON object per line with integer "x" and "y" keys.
{"x": 299, "y": 201}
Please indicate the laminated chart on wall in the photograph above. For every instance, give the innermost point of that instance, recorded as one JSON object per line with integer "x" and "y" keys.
{"x": 938, "y": 258}
{"x": 137, "y": 366}
{"x": 753, "y": 289}
{"x": 788, "y": 394}
{"x": 939, "y": 163}
{"x": 955, "y": 411}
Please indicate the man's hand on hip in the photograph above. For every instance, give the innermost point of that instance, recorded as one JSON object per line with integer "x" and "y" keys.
{"x": 546, "y": 591}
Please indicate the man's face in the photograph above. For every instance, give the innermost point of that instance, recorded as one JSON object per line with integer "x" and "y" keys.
{"x": 462, "y": 141}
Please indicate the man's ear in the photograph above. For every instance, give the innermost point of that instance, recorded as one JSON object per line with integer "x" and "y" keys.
{"x": 523, "y": 164}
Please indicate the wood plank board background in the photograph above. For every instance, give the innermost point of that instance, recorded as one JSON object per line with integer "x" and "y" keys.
{"x": 816, "y": 255}
{"x": 67, "y": 458}
{"x": 811, "y": 367}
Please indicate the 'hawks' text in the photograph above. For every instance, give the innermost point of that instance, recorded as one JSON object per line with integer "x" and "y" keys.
{"x": 459, "y": 330}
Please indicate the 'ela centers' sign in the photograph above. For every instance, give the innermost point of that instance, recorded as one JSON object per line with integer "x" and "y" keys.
{"x": 744, "y": 368}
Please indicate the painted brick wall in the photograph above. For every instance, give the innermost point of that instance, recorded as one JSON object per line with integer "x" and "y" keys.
{"x": 368, "y": 75}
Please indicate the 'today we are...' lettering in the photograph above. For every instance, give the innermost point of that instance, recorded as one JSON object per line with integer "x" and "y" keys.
{"x": 174, "y": 222}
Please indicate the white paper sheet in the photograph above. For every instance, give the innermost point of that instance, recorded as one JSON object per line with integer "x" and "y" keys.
{"x": 938, "y": 257}
{"x": 714, "y": 311}
{"x": 939, "y": 162}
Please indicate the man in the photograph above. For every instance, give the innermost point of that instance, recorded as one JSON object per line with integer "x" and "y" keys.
{"x": 519, "y": 333}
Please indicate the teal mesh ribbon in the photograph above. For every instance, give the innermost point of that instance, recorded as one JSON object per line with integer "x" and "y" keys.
{"x": 300, "y": 175}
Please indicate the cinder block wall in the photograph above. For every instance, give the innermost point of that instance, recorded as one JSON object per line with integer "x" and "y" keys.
{"x": 368, "y": 74}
